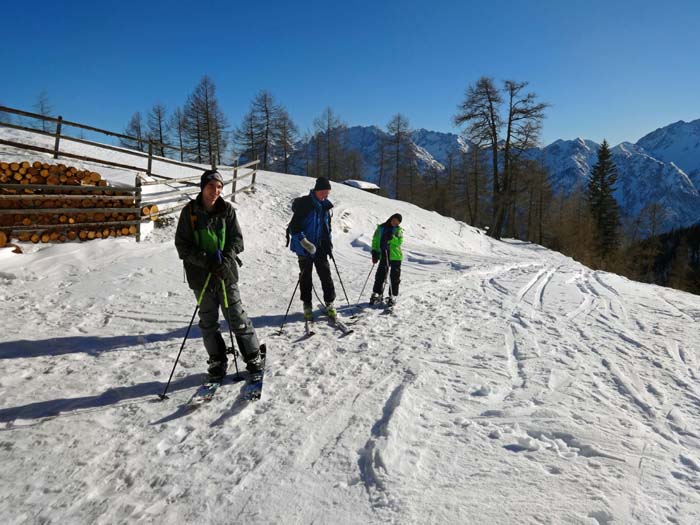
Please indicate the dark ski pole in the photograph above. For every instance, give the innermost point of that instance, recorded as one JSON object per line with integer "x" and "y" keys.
{"x": 365, "y": 285}
{"x": 301, "y": 273}
{"x": 323, "y": 305}
{"x": 199, "y": 301}
{"x": 289, "y": 305}
{"x": 227, "y": 315}
{"x": 230, "y": 330}
{"x": 388, "y": 278}
{"x": 339, "y": 278}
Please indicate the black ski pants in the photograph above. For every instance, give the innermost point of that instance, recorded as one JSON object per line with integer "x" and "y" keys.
{"x": 323, "y": 269}
{"x": 394, "y": 270}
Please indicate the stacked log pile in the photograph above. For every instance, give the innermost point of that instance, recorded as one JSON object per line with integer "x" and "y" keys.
{"x": 85, "y": 214}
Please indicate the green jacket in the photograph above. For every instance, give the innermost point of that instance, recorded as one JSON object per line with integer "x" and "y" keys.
{"x": 393, "y": 243}
{"x": 200, "y": 234}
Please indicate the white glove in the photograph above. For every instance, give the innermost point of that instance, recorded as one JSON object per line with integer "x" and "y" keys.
{"x": 308, "y": 245}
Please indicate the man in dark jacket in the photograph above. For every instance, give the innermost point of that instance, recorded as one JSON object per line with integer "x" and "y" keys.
{"x": 310, "y": 231}
{"x": 208, "y": 239}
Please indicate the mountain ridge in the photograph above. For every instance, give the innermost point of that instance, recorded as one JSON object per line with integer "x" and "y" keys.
{"x": 663, "y": 167}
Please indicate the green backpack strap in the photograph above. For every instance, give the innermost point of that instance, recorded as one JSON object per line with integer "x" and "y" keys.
{"x": 220, "y": 236}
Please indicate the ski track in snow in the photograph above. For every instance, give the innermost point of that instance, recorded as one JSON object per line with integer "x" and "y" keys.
{"x": 510, "y": 385}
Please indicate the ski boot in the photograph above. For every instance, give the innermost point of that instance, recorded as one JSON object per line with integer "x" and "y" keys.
{"x": 330, "y": 310}
{"x": 255, "y": 364}
{"x": 217, "y": 370}
{"x": 308, "y": 312}
{"x": 375, "y": 299}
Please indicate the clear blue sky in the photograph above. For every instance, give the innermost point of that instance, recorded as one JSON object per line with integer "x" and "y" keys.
{"x": 610, "y": 69}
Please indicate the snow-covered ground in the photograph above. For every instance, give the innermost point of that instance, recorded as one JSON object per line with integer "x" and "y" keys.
{"x": 511, "y": 385}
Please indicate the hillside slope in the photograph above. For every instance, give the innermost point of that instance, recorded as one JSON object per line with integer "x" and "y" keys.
{"x": 511, "y": 385}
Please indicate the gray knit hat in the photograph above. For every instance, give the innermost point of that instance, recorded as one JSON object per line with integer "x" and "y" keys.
{"x": 209, "y": 176}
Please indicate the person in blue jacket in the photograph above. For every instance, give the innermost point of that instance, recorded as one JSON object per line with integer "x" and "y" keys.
{"x": 310, "y": 235}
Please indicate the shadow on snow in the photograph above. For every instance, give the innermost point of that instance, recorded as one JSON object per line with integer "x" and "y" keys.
{"x": 56, "y": 407}
{"x": 95, "y": 345}
{"x": 91, "y": 345}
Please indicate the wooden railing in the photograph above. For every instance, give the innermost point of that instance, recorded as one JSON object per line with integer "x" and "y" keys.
{"x": 178, "y": 191}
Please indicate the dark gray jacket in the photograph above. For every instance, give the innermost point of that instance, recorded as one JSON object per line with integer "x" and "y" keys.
{"x": 198, "y": 235}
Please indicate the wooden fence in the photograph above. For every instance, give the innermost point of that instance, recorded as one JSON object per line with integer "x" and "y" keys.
{"x": 29, "y": 197}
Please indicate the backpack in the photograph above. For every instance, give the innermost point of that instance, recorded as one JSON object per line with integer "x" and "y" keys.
{"x": 295, "y": 206}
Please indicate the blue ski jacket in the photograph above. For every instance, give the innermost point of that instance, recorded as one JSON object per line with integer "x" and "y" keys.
{"x": 311, "y": 220}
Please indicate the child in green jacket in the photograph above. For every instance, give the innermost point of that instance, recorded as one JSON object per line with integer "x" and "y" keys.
{"x": 386, "y": 249}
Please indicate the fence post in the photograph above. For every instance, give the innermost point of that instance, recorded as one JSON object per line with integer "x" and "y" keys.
{"x": 58, "y": 137}
{"x": 150, "y": 158}
{"x": 138, "y": 207}
{"x": 255, "y": 172}
{"x": 235, "y": 180}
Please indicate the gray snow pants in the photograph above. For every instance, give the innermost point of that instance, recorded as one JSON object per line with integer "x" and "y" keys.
{"x": 243, "y": 330}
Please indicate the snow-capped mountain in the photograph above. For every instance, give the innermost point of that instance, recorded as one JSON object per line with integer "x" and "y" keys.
{"x": 663, "y": 167}
{"x": 430, "y": 147}
{"x": 642, "y": 179}
{"x": 440, "y": 145}
{"x": 569, "y": 162}
{"x": 678, "y": 143}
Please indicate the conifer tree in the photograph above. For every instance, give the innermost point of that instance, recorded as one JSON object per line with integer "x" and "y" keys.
{"x": 603, "y": 206}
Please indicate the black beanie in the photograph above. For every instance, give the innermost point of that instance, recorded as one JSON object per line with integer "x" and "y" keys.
{"x": 322, "y": 183}
{"x": 209, "y": 176}
{"x": 398, "y": 216}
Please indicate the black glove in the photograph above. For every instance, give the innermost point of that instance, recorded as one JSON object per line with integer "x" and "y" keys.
{"x": 217, "y": 269}
{"x": 375, "y": 256}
